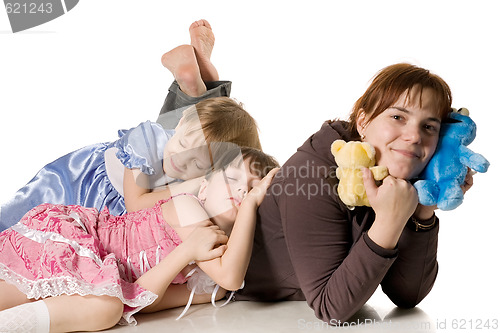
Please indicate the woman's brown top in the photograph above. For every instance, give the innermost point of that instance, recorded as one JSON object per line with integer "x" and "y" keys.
{"x": 309, "y": 246}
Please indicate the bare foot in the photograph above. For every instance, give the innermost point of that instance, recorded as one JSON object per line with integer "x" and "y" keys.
{"x": 203, "y": 39}
{"x": 183, "y": 64}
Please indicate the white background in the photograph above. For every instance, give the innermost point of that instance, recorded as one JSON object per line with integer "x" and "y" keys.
{"x": 78, "y": 79}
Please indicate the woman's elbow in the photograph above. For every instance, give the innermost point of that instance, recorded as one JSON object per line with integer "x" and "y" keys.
{"x": 336, "y": 318}
{"x": 335, "y": 314}
{"x": 405, "y": 303}
{"x": 405, "y": 300}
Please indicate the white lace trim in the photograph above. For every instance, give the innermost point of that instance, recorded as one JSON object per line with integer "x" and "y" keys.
{"x": 70, "y": 286}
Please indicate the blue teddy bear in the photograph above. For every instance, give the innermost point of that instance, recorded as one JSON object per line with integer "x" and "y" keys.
{"x": 440, "y": 181}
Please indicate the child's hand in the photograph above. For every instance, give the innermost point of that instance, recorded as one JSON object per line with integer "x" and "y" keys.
{"x": 206, "y": 242}
{"x": 258, "y": 193}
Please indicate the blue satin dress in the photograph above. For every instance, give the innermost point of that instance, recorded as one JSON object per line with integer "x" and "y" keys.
{"x": 80, "y": 177}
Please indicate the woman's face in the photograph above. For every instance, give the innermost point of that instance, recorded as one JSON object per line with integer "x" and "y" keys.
{"x": 405, "y": 135}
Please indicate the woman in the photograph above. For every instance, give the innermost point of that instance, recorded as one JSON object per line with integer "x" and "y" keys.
{"x": 309, "y": 245}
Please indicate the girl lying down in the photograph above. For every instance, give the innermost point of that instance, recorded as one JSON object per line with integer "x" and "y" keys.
{"x": 71, "y": 268}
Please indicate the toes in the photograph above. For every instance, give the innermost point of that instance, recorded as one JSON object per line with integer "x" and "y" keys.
{"x": 205, "y": 23}
{"x": 200, "y": 23}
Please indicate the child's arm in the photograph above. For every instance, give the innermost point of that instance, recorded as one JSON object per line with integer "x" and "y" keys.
{"x": 229, "y": 270}
{"x": 200, "y": 245}
{"x": 139, "y": 197}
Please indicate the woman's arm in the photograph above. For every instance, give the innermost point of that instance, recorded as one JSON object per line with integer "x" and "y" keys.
{"x": 337, "y": 273}
{"x": 412, "y": 276}
{"x": 202, "y": 244}
{"x": 339, "y": 266}
{"x": 393, "y": 202}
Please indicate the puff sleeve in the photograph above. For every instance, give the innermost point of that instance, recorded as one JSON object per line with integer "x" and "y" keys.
{"x": 142, "y": 147}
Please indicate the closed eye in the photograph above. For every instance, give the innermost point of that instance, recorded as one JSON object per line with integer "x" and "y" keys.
{"x": 198, "y": 166}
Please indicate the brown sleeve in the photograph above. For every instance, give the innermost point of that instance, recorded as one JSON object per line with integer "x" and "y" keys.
{"x": 336, "y": 277}
{"x": 412, "y": 275}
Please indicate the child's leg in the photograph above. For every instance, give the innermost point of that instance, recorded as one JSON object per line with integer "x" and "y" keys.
{"x": 10, "y": 296}
{"x": 191, "y": 65}
{"x": 202, "y": 41}
{"x": 32, "y": 317}
{"x": 83, "y": 313}
{"x": 69, "y": 313}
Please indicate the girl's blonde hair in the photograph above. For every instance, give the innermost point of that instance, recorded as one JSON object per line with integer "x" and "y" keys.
{"x": 225, "y": 120}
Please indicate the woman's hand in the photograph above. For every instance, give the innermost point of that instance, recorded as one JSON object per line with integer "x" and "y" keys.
{"x": 393, "y": 202}
{"x": 258, "y": 193}
{"x": 206, "y": 242}
{"x": 469, "y": 181}
{"x": 394, "y": 199}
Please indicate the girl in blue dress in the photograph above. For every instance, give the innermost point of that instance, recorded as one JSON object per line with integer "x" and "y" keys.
{"x": 93, "y": 176}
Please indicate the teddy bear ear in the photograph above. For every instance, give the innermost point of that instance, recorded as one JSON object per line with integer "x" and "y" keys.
{"x": 370, "y": 151}
{"x": 337, "y": 145}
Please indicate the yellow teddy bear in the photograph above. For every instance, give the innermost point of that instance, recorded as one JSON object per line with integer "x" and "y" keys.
{"x": 350, "y": 158}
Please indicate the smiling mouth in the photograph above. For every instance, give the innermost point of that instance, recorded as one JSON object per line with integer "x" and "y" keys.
{"x": 407, "y": 153}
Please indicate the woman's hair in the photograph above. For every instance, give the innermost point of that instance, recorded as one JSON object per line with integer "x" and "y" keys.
{"x": 224, "y": 120}
{"x": 390, "y": 83}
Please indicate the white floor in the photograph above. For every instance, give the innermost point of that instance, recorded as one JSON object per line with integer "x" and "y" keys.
{"x": 456, "y": 304}
{"x": 278, "y": 317}
{"x": 378, "y": 315}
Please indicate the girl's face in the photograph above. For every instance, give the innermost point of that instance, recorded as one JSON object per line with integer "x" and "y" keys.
{"x": 186, "y": 154}
{"x": 405, "y": 135}
{"x": 224, "y": 191}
